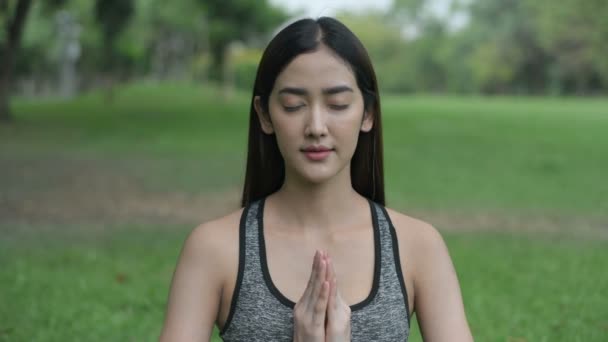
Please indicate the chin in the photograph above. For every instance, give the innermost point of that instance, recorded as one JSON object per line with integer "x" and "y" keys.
{"x": 318, "y": 175}
{"x": 316, "y": 179}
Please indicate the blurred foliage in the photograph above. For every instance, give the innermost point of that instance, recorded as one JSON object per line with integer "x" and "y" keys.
{"x": 575, "y": 33}
{"x": 245, "y": 63}
{"x": 504, "y": 47}
{"x": 144, "y": 37}
{"x": 507, "y": 46}
{"x": 112, "y": 17}
{"x": 385, "y": 46}
{"x": 237, "y": 20}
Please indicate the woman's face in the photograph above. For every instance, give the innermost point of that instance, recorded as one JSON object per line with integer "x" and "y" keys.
{"x": 316, "y": 112}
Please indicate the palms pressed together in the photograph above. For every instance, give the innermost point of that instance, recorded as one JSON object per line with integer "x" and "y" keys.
{"x": 321, "y": 315}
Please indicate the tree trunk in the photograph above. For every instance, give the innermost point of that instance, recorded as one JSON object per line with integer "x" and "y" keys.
{"x": 14, "y": 28}
{"x": 109, "y": 70}
{"x": 221, "y": 68}
{"x": 5, "y": 110}
{"x": 227, "y": 74}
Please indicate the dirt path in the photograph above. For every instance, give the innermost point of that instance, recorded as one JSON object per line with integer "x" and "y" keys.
{"x": 60, "y": 192}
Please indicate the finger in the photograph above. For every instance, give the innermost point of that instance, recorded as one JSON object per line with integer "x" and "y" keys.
{"x": 331, "y": 300}
{"x": 334, "y": 293}
{"x": 331, "y": 273}
{"x": 339, "y": 301}
{"x": 338, "y": 297}
{"x": 333, "y": 289}
{"x": 321, "y": 305}
{"x": 311, "y": 280}
{"x": 317, "y": 284}
{"x": 320, "y": 276}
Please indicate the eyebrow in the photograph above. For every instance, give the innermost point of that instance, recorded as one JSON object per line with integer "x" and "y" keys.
{"x": 325, "y": 91}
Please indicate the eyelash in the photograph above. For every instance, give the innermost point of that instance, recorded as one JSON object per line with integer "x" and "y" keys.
{"x": 335, "y": 107}
{"x": 291, "y": 109}
{"x": 338, "y": 107}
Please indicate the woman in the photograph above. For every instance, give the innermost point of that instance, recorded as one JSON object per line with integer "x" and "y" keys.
{"x": 314, "y": 194}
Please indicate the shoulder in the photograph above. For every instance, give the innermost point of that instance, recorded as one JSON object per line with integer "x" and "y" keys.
{"x": 433, "y": 288}
{"x": 432, "y": 282}
{"x": 214, "y": 234}
{"x": 208, "y": 259}
{"x": 214, "y": 241}
{"x": 217, "y": 229}
{"x": 413, "y": 230}
{"x": 420, "y": 243}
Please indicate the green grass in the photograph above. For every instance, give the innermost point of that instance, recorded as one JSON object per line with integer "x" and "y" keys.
{"x": 113, "y": 287}
{"x": 516, "y": 157}
{"x": 74, "y": 287}
{"x": 516, "y": 154}
{"x": 528, "y": 155}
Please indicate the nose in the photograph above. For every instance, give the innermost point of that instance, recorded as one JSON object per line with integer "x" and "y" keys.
{"x": 316, "y": 125}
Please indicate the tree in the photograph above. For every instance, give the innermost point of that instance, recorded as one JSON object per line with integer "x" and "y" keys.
{"x": 13, "y": 19}
{"x": 386, "y": 46}
{"x": 508, "y": 46}
{"x": 424, "y": 63}
{"x": 112, "y": 16}
{"x": 576, "y": 35}
{"x": 506, "y": 56}
{"x": 410, "y": 12}
{"x": 171, "y": 36}
{"x": 236, "y": 20}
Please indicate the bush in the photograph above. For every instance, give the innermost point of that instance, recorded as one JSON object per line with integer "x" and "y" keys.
{"x": 245, "y": 64}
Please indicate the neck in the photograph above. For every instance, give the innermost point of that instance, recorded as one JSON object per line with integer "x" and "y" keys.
{"x": 315, "y": 207}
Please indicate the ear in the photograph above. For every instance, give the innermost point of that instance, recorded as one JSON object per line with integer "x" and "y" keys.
{"x": 264, "y": 118}
{"x": 368, "y": 121}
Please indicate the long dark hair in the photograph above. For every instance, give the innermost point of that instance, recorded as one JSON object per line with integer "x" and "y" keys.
{"x": 265, "y": 171}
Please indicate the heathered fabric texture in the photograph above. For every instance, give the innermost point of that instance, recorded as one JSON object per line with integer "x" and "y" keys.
{"x": 259, "y": 312}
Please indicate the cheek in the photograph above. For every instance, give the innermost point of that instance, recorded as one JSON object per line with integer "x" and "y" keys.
{"x": 285, "y": 125}
{"x": 286, "y": 133}
{"x": 347, "y": 128}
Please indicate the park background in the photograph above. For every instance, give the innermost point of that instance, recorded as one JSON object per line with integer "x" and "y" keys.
{"x": 123, "y": 126}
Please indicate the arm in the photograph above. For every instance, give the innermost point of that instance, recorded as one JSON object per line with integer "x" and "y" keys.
{"x": 196, "y": 288}
{"x": 439, "y": 306}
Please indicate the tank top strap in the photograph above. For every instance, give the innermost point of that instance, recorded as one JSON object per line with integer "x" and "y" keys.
{"x": 249, "y": 274}
{"x": 391, "y": 272}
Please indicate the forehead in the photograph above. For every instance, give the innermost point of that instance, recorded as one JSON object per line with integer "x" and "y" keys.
{"x": 319, "y": 69}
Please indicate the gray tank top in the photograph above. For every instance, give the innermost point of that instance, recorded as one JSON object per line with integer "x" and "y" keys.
{"x": 260, "y": 312}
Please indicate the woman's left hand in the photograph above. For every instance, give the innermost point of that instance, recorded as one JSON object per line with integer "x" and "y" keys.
{"x": 338, "y": 312}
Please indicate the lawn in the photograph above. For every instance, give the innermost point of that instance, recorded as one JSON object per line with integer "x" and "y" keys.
{"x": 96, "y": 197}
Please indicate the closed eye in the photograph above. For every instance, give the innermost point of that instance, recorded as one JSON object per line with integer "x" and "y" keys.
{"x": 292, "y": 108}
{"x": 338, "y": 107}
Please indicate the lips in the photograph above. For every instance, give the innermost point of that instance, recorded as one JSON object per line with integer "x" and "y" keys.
{"x": 317, "y": 149}
{"x": 317, "y": 153}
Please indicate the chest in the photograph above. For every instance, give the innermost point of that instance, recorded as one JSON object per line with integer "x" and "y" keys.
{"x": 378, "y": 307}
{"x": 288, "y": 260}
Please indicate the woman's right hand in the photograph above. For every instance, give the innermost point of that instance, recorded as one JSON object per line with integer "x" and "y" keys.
{"x": 338, "y": 312}
{"x": 309, "y": 312}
